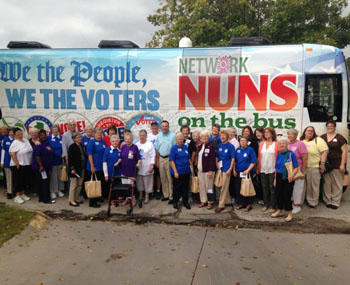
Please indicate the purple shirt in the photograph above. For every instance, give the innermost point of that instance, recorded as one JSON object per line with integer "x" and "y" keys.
{"x": 298, "y": 148}
{"x": 130, "y": 156}
{"x": 46, "y": 156}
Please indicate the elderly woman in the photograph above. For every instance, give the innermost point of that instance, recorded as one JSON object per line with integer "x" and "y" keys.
{"x": 89, "y": 135}
{"x": 43, "y": 159}
{"x": 110, "y": 159}
{"x": 77, "y": 162}
{"x": 206, "y": 169}
{"x": 21, "y": 157}
{"x": 300, "y": 151}
{"x": 317, "y": 155}
{"x": 55, "y": 142}
{"x": 232, "y": 137}
{"x": 225, "y": 159}
{"x": 112, "y": 130}
{"x": 130, "y": 158}
{"x": 95, "y": 150}
{"x": 5, "y": 162}
{"x": 284, "y": 181}
{"x": 34, "y": 137}
{"x": 245, "y": 163}
{"x": 144, "y": 180}
{"x": 268, "y": 150}
{"x": 180, "y": 163}
{"x": 333, "y": 180}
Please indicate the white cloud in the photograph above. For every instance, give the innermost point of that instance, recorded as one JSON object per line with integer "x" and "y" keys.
{"x": 76, "y": 23}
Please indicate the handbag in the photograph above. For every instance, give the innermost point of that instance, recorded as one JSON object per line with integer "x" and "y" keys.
{"x": 290, "y": 169}
{"x": 247, "y": 187}
{"x": 345, "y": 181}
{"x": 194, "y": 184}
{"x": 218, "y": 179}
{"x": 93, "y": 187}
{"x": 63, "y": 173}
{"x": 328, "y": 165}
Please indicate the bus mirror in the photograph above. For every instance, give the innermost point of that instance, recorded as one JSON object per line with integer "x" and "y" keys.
{"x": 26, "y": 44}
{"x": 117, "y": 44}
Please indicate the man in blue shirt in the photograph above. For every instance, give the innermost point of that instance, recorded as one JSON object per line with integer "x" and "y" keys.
{"x": 165, "y": 141}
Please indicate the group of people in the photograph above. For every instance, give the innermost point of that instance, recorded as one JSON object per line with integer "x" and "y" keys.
{"x": 163, "y": 163}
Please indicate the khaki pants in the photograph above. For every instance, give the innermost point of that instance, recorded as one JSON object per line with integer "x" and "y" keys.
{"x": 55, "y": 182}
{"x": 225, "y": 193}
{"x": 332, "y": 187}
{"x": 165, "y": 177}
{"x": 298, "y": 192}
{"x": 9, "y": 182}
{"x": 206, "y": 186}
{"x": 75, "y": 187}
{"x": 312, "y": 185}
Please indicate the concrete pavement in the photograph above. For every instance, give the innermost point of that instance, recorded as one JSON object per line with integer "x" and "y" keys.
{"x": 90, "y": 252}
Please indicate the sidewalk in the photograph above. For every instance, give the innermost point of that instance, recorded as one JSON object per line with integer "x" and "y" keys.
{"x": 319, "y": 220}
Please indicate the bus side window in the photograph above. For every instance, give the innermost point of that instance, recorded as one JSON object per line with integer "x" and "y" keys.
{"x": 323, "y": 97}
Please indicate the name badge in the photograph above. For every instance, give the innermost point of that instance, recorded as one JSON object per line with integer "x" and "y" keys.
{"x": 207, "y": 150}
{"x": 111, "y": 151}
{"x": 60, "y": 142}
{"x": 131, "y": 155}
{"x": 85, "y": 143}
{"x": 249, "y": 143}
{"x": 188, "y": 141}
{"x": 179, "y": 149}
{"x": 97, "y": 143}
{"x": 226, "y": 150}
{"x": 238, "y": 151}
{"x": 220, "y": 149}
{"x": 8, "y": 143}
{"x": 245, "y": 155}
{"x": 104, "y": 146}
{"x": 53, "y": 140}
{"x": 294, "y": 148}
{"x": 335, "y": 140}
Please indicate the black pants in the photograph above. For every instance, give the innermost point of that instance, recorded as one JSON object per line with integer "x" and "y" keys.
{"x": 101, "y": 177}
{"x": 181, "y": 188}
{"x": 284, "y": 191}
{"x": 241, "y": 200}
{"x": 22, "y": 177}
{"x": 43, "y": 186}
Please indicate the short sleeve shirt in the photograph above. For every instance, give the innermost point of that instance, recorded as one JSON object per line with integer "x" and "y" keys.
{"x": 96, "y": 148}
{"x": 111, "y": 156}
{"x": 244, "y": 157}
{"x": 46, "y": 154}
{"x": 334, "y": 146}
{"x": 24, "y": 152}
{"x": 284, "y": 157}
{"x": 225, "y": 153}
{"x": 299, "y": 149}
{"x": 86, "y": 140}
{"x": 6, "y": 143}
{"x": 148, "y": 157}
{"x": 314, "y": 151}
{"x": 56, "y": 144}
{"x": 164, "y": 143}
{"x": 181, "y": 156}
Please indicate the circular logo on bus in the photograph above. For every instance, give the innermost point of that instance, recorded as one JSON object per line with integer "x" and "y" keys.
{"x": 142, "y": 122}
{"x": 105, "y": 122}
{"x": 38, "y": 122}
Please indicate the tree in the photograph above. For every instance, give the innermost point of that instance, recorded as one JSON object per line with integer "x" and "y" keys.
{"x": 214, "y": 22}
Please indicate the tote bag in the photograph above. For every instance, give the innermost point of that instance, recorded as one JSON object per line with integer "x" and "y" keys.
{"x": 93, "y": 187}
{"x": 218, "y": 179}
{"x": 247, "y": 187}
{"x": 290, "y": 168}
{"x": 194, "y": 184}
{"x": 63, "y": 173}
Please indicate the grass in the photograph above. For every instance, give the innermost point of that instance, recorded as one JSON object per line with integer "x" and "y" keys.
{"x": 12, "y": 222}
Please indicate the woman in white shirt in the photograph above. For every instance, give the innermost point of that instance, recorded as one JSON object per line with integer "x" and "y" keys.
{"x": 21, "y": 158}
{"x": 268, "y": 150}
{"x": 144, "y": 179}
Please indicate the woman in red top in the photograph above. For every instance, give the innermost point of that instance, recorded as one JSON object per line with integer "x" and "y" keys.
{"x": 112, "y": 130}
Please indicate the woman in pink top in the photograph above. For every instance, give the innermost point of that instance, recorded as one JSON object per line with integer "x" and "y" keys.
{"x": 301, "y": 154}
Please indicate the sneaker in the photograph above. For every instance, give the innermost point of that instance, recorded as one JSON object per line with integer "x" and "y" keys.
{"x": 25, "y": 197}
{"x": 60, "y": 194}
{"x": 296, "y": 210}
{"x": 19, "y": 200}
{"x": 261, "y": 202}
{"x": 53, "y": 196}
{"x": 146, "y": 200}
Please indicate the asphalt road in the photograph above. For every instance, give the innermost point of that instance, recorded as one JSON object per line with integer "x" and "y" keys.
{"x": 111, "y": 253}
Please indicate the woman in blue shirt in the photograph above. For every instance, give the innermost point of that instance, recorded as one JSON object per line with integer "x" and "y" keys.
{"x": 284, "y": 182}
{"x": 5, "y": 162}
{"x": 89, "y": 135}
{"x": 245, "y": 164}
{"x": 180, "y": 169}
{"x": 110, "y": 159}
{"x": 55, "y": 142}
{"x": 225, "y": 158}
{"x": 95, "y": 150}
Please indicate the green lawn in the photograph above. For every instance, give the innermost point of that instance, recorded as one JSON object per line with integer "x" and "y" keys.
{"x": 12, "y": 222}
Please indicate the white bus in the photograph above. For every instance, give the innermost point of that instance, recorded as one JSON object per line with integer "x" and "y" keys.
{"x": 282, "y": 86}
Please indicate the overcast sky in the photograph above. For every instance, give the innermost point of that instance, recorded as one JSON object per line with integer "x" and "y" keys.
{"x": 77, "y": 23}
